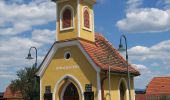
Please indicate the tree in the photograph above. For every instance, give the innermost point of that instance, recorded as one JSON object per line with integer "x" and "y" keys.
{"x": 25, "y": 82}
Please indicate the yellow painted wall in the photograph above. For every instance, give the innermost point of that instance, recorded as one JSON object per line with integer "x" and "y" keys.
{"x": 73, "y": 33}
{"x": 87, "y": 34}
{"x": 115, "y": 79}
{"x": 67, "y": 34}
{"x": 85, "y": 74}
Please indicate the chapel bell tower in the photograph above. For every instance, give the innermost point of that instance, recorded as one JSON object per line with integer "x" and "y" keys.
{"x": 75, "y": 18}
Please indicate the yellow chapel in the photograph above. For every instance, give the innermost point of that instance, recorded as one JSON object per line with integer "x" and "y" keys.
{"x": 82, "y": 64}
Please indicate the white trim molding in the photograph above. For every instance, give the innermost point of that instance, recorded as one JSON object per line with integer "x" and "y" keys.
{"x": 61, "y": 17}
{"x": 68, "y": 76}
{"x": 41, "y": 90}
{"x": 78, "y": 10}
{"x": 99, "y": 86}
{"x": 126, "y": 87}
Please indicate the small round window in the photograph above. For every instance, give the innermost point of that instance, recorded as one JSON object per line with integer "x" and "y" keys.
{"x": 67, "y": 55}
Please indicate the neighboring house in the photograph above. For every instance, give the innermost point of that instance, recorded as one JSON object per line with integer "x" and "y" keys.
{"x": 8, "y": 95}
{"x": 77, "y": 65}
{"x": 1, "y": 96}
{"x": 140, "y": 95}
{"x": 157, "y": 89}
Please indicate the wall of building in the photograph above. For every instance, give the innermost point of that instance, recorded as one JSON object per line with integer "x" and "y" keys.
{"x": 84, "y": 73}
{"x": 115, "y": 82}
{"x": 87, "y": 34}
{"x": 79, "y": 30}
{"x": 72, "y": 33}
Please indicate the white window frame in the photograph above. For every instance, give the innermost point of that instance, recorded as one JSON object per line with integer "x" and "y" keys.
{"x": 90, "y": 15}
{"x": 61, "y": 17}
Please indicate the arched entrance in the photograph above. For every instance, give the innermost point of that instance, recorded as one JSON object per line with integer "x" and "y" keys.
{"x": 65, "y": 82}
{"x": 70, "y": 92}
{"x": 122, "y": 91}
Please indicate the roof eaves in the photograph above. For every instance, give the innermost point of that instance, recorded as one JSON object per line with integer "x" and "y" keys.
{"x": 122, "y": 73}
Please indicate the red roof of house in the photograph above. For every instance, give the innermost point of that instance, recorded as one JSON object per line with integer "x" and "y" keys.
{"x": 9, "y": 95}
{"x": 104, "y": 55}
{"x": 159, "y": 86}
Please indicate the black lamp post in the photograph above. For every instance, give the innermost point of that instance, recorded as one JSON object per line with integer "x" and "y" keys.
{"x": 30, "y": 57}
{"x": 122, "y": 49}
{"x": 35, "y": 65}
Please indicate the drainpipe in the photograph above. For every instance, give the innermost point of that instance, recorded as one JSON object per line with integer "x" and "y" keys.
{"x": 109, "y": 84}
{"x": 102, "y": 84}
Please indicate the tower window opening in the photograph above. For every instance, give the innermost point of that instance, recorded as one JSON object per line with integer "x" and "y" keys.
{"x": 86, "y": 18}
{"x": 67, "y": 16}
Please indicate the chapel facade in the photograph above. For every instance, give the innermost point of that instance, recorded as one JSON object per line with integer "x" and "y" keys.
{"x": 77, "y": 65}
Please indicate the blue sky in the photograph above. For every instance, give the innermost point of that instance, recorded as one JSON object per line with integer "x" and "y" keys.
{"x": 146, "y": 23}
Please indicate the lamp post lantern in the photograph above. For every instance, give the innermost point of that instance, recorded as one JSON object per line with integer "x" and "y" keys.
{"x": 122, "y": 49}
{"x": 30, "y": 57}
{"x": 35, "y": 77}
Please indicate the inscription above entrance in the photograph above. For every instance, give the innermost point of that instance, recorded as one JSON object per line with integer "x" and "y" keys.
{"x": 67, "y": 67}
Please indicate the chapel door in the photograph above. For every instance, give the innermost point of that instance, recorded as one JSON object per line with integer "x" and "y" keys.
{"x": 122, "y": 92}
{"x": 71, "y": 92}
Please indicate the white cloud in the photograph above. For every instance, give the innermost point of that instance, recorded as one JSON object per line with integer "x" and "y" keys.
{"x": 13, "y": 51}
{"x": 9, "y": 75}
{"x": 139, "y": 50}
{"x": 146, "y": 75}
{"x": 167, "y": 2}
{"x": 17, "y": 17}
{"x": 160, "y": 51}
{"x": 133, "y": 4}
{"x": 142, "y": 20}
{"x": 22, "y": 17}
{"x": 142, "y": 68}
{"x": 44, "y": 36}
{"x": 155, "y": 59}
{"x": 145, "y": 20}
{"x": 101, "y": 1}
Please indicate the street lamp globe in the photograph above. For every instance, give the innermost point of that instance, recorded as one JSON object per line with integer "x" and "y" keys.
{"x": 121, "y": 48}
{"x": 29, "y": 56}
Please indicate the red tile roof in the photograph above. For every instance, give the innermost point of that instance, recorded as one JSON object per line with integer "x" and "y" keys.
{"x": 104, "y": 55}
{"x": 9, "y": 95}
{"x": 159, "y": 86}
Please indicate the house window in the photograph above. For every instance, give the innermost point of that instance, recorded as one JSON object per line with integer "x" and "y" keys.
{"x": 86, "y": 19}
{"x": 66, "y": 18}
{"x": 86, "y": 16}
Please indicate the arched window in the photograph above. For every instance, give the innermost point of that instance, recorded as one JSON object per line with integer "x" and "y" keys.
{"x": 122, "y": 89}
{"x": 86, "y": 18}
{"x": 67, "y": 17}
